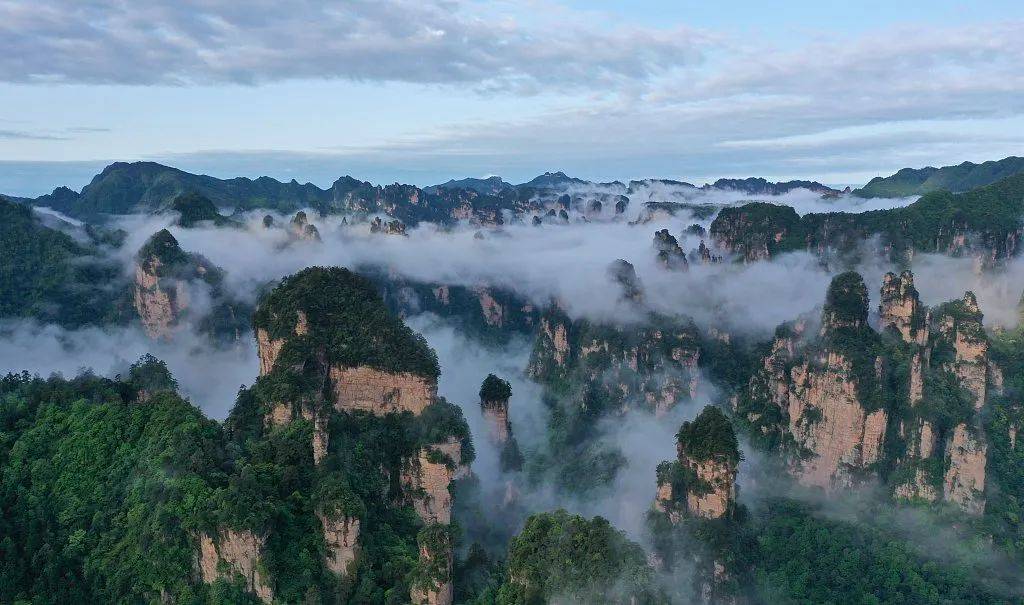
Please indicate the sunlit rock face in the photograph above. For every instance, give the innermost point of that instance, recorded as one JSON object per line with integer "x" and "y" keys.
{"x": 173, "y": 288}
{"x": 847, "y": 402}
{"x": 234, "y": 552}
{"x": 901, "y": 308}
{"x": 331, "y": 354}
{"x": 701, "y": 482}
{"x": 160, "y": 289}
{"x": 823, "y": 400}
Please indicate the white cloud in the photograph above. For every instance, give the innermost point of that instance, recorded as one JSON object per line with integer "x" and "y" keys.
{"x": 487, "y": 45}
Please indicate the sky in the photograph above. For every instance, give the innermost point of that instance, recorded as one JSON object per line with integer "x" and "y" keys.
{"x": 420, "y": 91}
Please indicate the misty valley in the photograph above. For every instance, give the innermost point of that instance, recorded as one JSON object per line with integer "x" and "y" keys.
{"x": 222, "y": 391}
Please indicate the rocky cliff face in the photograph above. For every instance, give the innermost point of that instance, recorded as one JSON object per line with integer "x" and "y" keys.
{"x": 341, "y": 539}
{"x": 835, "y": 397}
{"x": 234, "y": 552}
{"x": 823, "y": 390}
{"x": 901, "y": 308}
{"x": 754, "y": 231}
{"x": 494, "y": 396}
{"x": 300, "y": 228}
{"x": 167, "y": 277}
{"x": 670, "y": 255}
{"x": 652, "y": 365}
{"x": 702, "y": 481}
{"x": 369, "y": 390}
{"x": 962, "y": 323}
{"x": 964, "y": 480}
{"x": 828, "y": 418}
{"x": 160, "y": 291}
{"x": 427, "y": 477}
{"x": 158, "y": 303}
{"x": 333, "y": 360}
{"x": 699, "y": 485}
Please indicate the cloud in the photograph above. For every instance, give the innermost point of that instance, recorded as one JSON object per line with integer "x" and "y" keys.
{"x": 25, "y": 135}
{"x": 857, "y": 106}
{"x": 565, "y": 262}
{"x": 488, "y": 45}
{"x": 208, "y": 376}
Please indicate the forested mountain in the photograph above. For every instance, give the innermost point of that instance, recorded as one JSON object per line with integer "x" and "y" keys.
{"x": 49, "y": 276}
{"x": 629, "y": 436}
{"x": 986, "y": 221}
{"x": 143, "y": 187}
{"x": 956, "y": 179}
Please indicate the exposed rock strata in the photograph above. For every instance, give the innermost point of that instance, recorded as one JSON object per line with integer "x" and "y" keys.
{"x": 234, "y": 552}
{"x": 341, "y": 538}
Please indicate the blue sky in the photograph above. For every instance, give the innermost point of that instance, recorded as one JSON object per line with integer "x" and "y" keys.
{"x": 425, "y": 90}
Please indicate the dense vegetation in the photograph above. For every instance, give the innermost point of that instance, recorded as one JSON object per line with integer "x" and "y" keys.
{"x": 567, "y": 557}
{"x": 1005, "y": 508}
{"x": 335, "y": 296}
{"x": 47, "y": 275}
{"x": 495, "y": 389}
{"x": 195, "y": 208}
{"x": 107, "y": 483}
{"x": 102, "y": 490}
{"x": 709, "y": 436}
{"x": 956, "y": 179}
{"x": 990, "y": 215}
{"x": 804, "y": 556}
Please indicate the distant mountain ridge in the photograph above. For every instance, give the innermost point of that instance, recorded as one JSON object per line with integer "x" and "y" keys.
{"x": 759, "y": 186}
{"x": 139, "y": 187}
{"x": 956, "y": 179}
{"x": 985, "y": 222}
{"x": 492, "y": 185}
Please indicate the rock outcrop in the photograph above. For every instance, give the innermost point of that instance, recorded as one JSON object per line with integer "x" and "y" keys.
{"x": 623, "y": 274}
{"x": 652, "y": 364}
{"x": 834, "y": 400}
{"x": 394, "y": 227}
{"x": 331, "y": 356}
{"x": 301, "y": 228}
{"x": 964, "y": 481}
{"x": 901, "y": 308}
{"x": 234, "y": 552}
{"x": 160, "y": 291}
{"x": 963, "y": 322}
{"x": 754, "y": 231}
{"x": 670, "y": 255}
{"x": 168, "y": 279}
{"x": 427, "y": 477}
{"x": 494, "y": 398}
{"x": 341, "y": 538}
{"x": 825, "y": 389}
{"x": 702, "y": 481}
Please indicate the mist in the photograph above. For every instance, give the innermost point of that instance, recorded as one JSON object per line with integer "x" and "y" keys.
{"x": 208, "y": 376}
